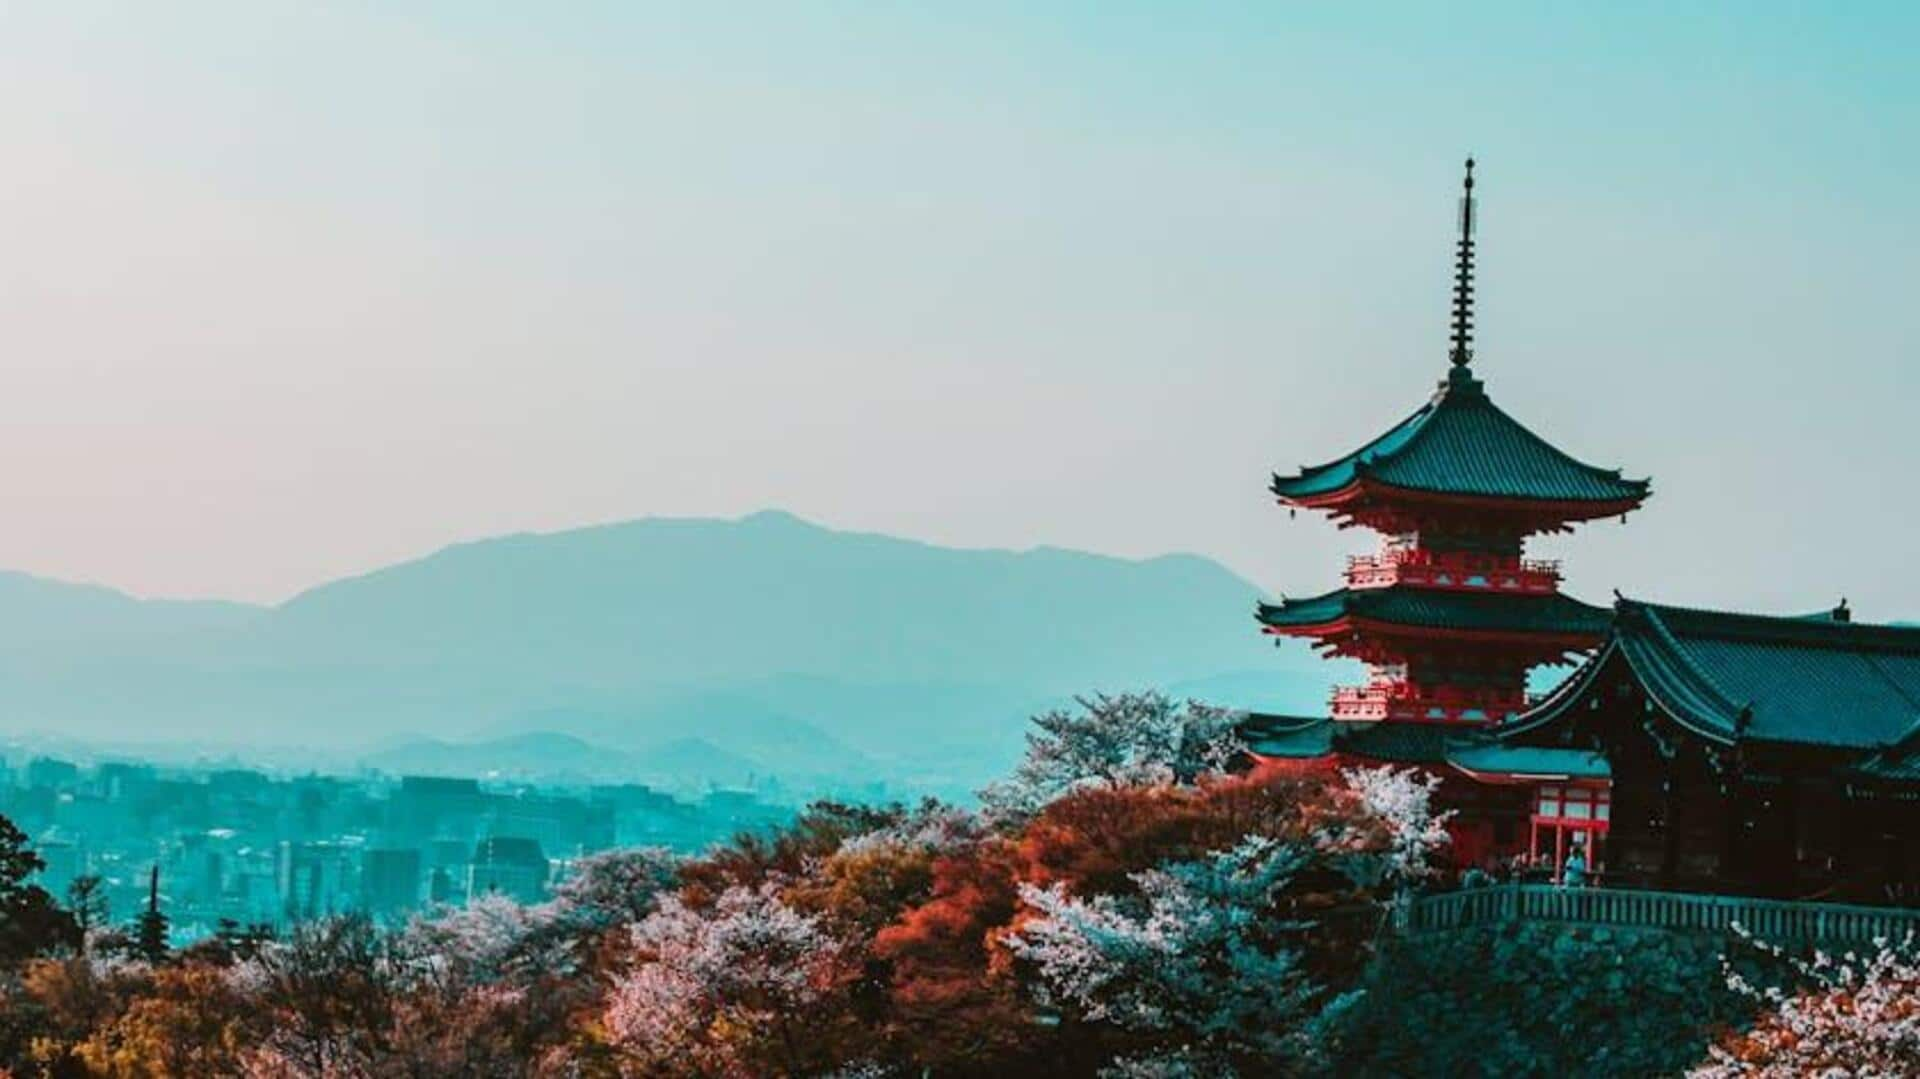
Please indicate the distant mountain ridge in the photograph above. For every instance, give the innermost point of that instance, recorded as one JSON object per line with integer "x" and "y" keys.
{"x": 41, "y": 612}
{"x": 770, "y": 638}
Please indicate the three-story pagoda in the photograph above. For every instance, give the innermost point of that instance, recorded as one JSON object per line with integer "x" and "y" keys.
{"x": 1449, "y": 614}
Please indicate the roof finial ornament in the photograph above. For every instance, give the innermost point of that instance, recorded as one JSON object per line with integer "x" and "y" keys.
{"x": 1462, "y": 353}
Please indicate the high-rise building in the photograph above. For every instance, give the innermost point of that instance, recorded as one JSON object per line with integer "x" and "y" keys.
{"x": 391, "y": 880}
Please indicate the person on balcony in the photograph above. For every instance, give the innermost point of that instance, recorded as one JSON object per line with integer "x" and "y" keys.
{"x": 1574, "y": 873}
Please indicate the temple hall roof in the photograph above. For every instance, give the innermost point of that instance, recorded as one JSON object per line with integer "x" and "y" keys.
{"x": 1461, "y": 444}
{"x": 1818, "y": 681}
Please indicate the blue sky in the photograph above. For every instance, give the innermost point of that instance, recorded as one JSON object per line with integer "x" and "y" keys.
{"x": 289, "y": 291}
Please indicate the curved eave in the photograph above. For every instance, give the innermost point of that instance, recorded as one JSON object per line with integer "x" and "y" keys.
{"x": 1273, "y": 620}
{"x": 1562, "y": 698}
{"x": 1679, "y": 692}
{"x": 1563, "y": 640}
{"x": 1503, "y": 779}
{"x": 1366, "y": 489}
{"x": 1663, "y": 685}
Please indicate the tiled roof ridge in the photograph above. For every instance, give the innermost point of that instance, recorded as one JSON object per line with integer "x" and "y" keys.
{"x": 1359, "y": 600}
{"x": 1450, "y": 390}
{"x": 1669, "y": 667}
{"x": 1782, "y": 629}
{"x": 1477, "y": 397}
{"x": 1460, "y": 418}
{"x": 1365, "y": 452}
{"x": 1558, "y": 698}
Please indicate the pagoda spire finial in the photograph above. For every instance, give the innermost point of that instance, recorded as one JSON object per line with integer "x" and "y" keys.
{"x": 1462, "y": 353}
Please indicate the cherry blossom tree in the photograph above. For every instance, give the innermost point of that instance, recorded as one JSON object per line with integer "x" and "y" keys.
{"x": 490, "y": 940}
{"x": 1402, "y": 800}
{"x": 736, "y": 988}
{"x": 1112, "y": 740}
{"x": 1861, "y": 1017}
{"x": 1200, "y": 964}
{"x": 614, "y": 887}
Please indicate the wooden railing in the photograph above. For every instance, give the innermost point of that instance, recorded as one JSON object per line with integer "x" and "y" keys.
{"x": 1386, "y": 700}
{"x": 1467, "y": 572}
{"x": 1774, "y": 920}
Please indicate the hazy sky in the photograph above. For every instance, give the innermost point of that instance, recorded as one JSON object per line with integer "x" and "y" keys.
{"x": 288, "y": 291}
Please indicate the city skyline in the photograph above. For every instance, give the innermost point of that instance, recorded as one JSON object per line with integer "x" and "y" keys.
{"x": 275, "y": 321}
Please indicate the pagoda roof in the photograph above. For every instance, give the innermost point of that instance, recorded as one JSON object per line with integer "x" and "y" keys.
{"x": 1822, "y": 681}
{"x": 1426, "y": 608}
{"x": 1292, "y": 737}
{"x": 1461, "y": 444}
{"x": 1431, "y": 744}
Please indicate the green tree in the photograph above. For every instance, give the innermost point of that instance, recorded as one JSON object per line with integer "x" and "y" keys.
{"x": 87, "y": 902}
{"x": 31, "y": 923}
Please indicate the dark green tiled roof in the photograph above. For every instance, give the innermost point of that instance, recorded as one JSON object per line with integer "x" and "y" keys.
{"x": 1818, "y": 682}
{"x": 1297, "y": 738}
{"x": 1461, "y": 443}
{"x": 1433, "y": 608}
{"x": 1495, "y": 758}
{"x": 1396, "y": 743}
{"x": 1287, "y": 736}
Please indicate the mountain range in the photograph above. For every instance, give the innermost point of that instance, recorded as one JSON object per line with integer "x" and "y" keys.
{"x": 764, "y": 643}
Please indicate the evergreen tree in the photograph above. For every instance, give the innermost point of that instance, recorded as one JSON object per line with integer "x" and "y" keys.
{"x": 31, "y": 923}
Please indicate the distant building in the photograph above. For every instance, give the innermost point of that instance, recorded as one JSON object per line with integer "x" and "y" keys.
{"x": 741, "y": 807}
{"x": 644, "y": 816}
{"x": 390, "y": 880}
{"x": 441, "y": 890}
{"x": 122, "y": 781}
{"x": 569, "y": 825}
{"x": 51, "y": 773}
{"x": 430, "y": 807}
{"x": 312, "y": 879}
{"x": 514, "y": 866}
{"x": 88, "y": 815}
{"x": 239, "y": 783}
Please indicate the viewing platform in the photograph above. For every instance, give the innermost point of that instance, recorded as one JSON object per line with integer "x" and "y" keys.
{"x": 1776, "y": 921}
{"x": 1461, "y": 572}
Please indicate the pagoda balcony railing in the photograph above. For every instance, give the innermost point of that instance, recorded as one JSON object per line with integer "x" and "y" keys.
{"x": 1454, "y": 570}
{"x": 1395, "y": 700}
{"x": 1779, "y": 921}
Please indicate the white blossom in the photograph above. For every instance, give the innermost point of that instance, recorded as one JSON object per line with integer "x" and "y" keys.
{"x": 490, "y": 938}
{"x": 747, "y": 962}
{"x": 936, "y": 829}
{"x": 1860, "y": 1018}
{"x": 1402, "y": 798}
{"x": 1130, "y": 738}
{"x": 1200, "y": 956}
{"x": 613, "y": 887}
